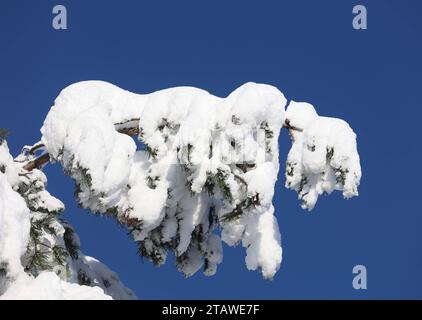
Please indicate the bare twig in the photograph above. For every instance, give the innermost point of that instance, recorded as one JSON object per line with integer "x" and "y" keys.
{"x": 290, "y": 127}
{"x": 36, "y": 147}
{"x": 129, "y": 131}
{"x": 37, "y": 162}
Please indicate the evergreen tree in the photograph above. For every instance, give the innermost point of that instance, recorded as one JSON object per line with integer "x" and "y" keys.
{"x": 53, "y": 244}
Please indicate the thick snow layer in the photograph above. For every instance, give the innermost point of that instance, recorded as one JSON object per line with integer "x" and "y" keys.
{"x": 7, "y": 165}
{"x": 201, "y": 151}
{"x": 323, "y": 157}
{"x": 48, "y": 286}
{"x": 14, "y": 232}
{"x": 206, "y": 162}
{"x": 100, "y": 277}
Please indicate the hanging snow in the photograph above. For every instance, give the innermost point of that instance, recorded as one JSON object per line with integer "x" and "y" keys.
{"x": 206, "y": 163}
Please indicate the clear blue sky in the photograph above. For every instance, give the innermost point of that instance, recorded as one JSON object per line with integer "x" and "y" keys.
{"x": 309, "y": 50}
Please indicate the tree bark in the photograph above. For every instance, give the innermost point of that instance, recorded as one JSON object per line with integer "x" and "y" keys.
{"x": 37, "y": 163}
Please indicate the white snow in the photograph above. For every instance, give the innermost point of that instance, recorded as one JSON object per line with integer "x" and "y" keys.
{"x": 7, "y": 165}
{"x": 191, "y": 136}
{"x": 263, "y": 242}
{"x": 209, "y": 162}
{"x": 103, "y": 279}
{"x": 14, "y": 232}
{"x": 323, "y": 157}
{"x": 48, "y": 286}
{"x": 14, "y": 235}
{"x": 17, "y": 212}
{"x": 300, "y": 114}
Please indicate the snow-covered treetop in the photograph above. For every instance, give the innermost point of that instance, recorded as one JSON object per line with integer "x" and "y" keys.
{"x": 204, "y": 163}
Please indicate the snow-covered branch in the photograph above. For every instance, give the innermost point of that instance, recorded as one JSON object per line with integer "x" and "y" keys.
{"x": 323, "y": 157}
{"x": 208, "y": 162}
{"x": 206, "y": 169}
{"x": 37, "y": 163}
{"x": 129, "y": 128}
